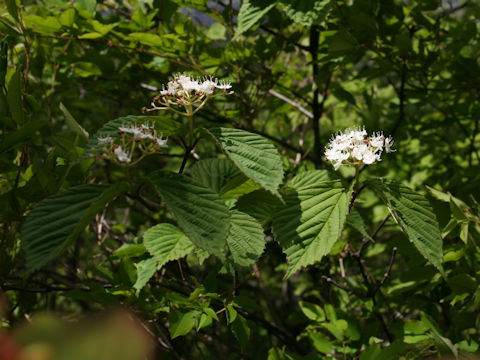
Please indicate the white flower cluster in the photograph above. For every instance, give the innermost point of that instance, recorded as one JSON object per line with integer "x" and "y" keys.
{"x": 132, "y": 137}
{"x": 186, "y": 95}
{"x": 354, "y": 148}
{"x": 184, "y": 85}
{"x": 144, "y": 131}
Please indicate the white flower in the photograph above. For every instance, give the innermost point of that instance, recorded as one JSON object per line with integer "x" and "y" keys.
{"x": 104, "y": 140}
{"x": 377, "y": 141}
{"x": 224, "y": 85}
{"x": 388, "y": 144}
{"x": 352, "y": 148}
{"x": 122, "y": 156}
{"x": 162, "y": 142}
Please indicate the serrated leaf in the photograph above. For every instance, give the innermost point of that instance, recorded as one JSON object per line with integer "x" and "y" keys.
{"x": 250, "y": 12}
{"x": 245, "y": 240}
{"x": 414, "y": 215}
{"x": 260, "y": 204}
{"x": 145, "y": 270}
{"x": 254, "y": 155}
{"x": 200, "y": 212}
{"x": 310, "y": 222}
{"x": 166, "y": 242}
{"x": 214, "y": 173}
{"x": 312, "y": 177}
{"x": 60, "y": 218}
{"x": 238, "y": 186}
{"x": 162, "y": 125}
{"x": 307, "y": 13}
{"x": 355, "y": 220}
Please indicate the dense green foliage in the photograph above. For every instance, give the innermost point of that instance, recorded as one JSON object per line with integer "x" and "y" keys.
{"x": 219, "y": 224}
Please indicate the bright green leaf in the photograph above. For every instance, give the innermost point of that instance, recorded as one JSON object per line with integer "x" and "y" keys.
{"x": 214, "y": 173}
{"x": 200, "y": 212}
{"x": 166, "y": 242}
{"x": 60, "y": 218}
{"x": 145, "y": 270}
{"x": 310, "y": 222}
{"x": 245, "y": 240}
{"x": 250, "y": 13}
{"x": 254, "y": 155}
{"x": 414, "y": 215}
{"x": 307, "y": 13}
{"x": 181, "y": 322}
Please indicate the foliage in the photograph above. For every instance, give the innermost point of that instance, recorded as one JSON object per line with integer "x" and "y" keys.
{"x": 208, "y": 208}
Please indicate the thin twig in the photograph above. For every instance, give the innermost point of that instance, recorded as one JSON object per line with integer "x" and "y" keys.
{"x": 387, "y": 273}
{"x": 291, "y": 102}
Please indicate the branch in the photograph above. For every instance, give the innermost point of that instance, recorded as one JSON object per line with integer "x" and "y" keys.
{"x": 387, "y": 273}
{"x": 291, "y": 102}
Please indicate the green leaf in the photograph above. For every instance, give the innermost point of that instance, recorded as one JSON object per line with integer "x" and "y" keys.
{"x": 145, "y": 270}
{"x": 86, "y": 69}
{"x": 12, "y": 8}
{"x": 214, "y": 173}
{"x": 307, "y": 13}
{"x": 14, "y": 97}
{"x": 3, "y": 61}
{"x": 250, "y": 12}
{"x": 41, "y": 24}
{"x": 129, "y": 250}
{"x": 354, "y": 219}
{"x": 311, "y": 177}
{"x": 415, "y": 216}
{"x": 163, "y": 125}
{"x": 312, "y": 311}
{"x": 260, "y": 204}
{"x": 310, "y": 222}
{"x": 320, "y": 342}
{"x": 200, "y": 212}
{"x": 88, "y": 5}
{"x": 67, "y": 17}
{"x": 60, "y": 218}
{"x": 241, "y": 331}
{"x": 167, "y": 242}
{"x": 181, "y": 322}
{"x": 246, "y": 240}
{"x": 238, "y": 186}
{"x": 254, "y": 155}
{"x": 23, "y": 135}
{"x": 73, "y": 124}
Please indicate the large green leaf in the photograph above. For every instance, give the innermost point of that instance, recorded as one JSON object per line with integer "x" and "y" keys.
{"x": 60, "y": 218}
{"x": 163, "y": 125}
{"x": 254, "y": 155}
{"x": 307, "y": 13}
{"x": 312, "y": 177}
{"x": 415, "y": 216}
{"x": 260, "y": 204}
{"x": 200, "y": 212}
{"x": 246, "y": 240}
{"x": 250, "y": 12}
{"x": 214, "y": 173}
{"x": 166, "y": 242}
{"x": 311, "y": 221}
